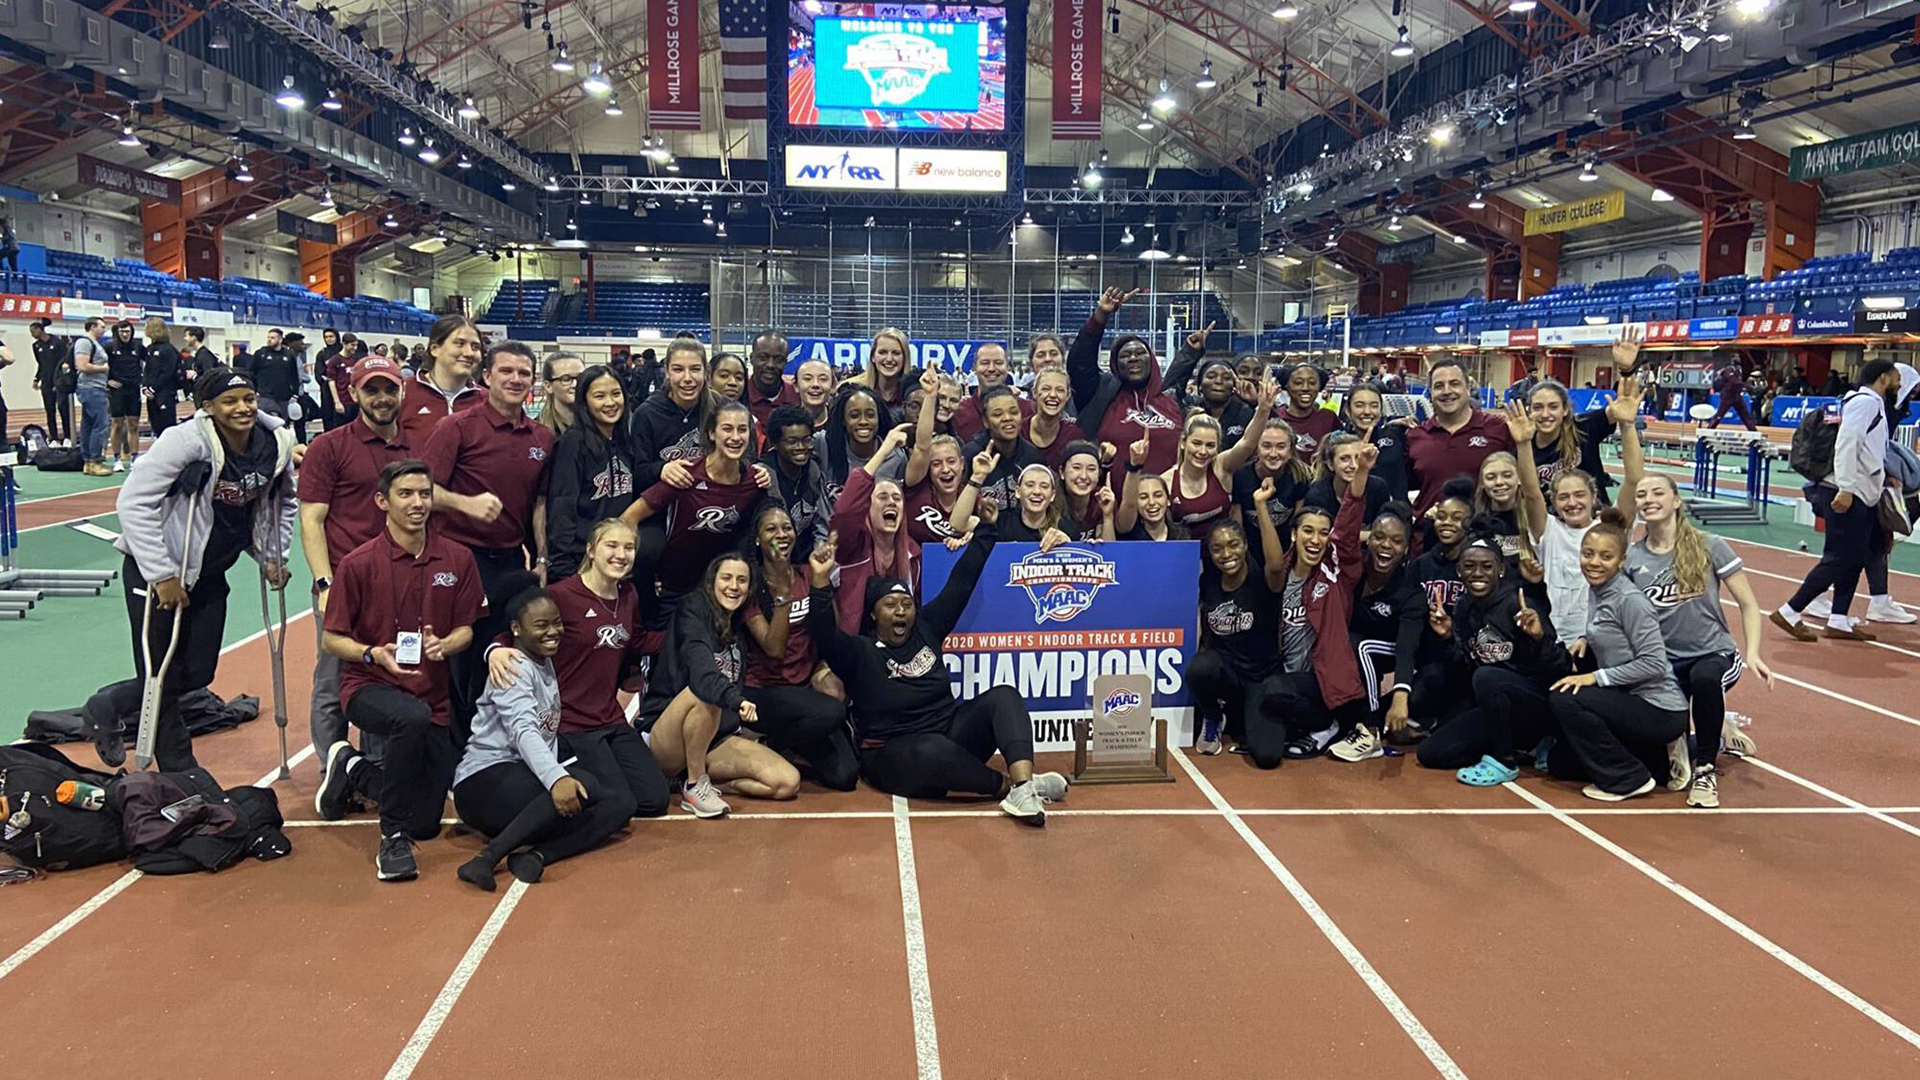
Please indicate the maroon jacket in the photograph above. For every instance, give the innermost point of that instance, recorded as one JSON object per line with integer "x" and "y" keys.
{"x": 855, "y": 553}
{"x": 1330, "y": 591}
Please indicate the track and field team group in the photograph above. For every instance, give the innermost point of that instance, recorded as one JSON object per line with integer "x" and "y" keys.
{"x": 739, "y": 548}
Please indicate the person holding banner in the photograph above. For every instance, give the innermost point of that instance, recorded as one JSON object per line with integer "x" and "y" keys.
{"x": 915, "y": 740}
{"x": 1128, "y": 400}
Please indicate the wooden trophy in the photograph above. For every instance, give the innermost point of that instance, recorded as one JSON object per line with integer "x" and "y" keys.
{"x": 1122, "y": 742}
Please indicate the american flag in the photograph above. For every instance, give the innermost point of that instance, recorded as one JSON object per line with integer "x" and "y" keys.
{"x": 743, "y": 58}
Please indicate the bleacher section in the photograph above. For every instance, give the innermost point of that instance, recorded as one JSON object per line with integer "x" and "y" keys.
{"x": 250, "y": 301}
{"x": 520, "y": 301}
{"x": 621, "y": 307}
{"x": 1829, "y": 285}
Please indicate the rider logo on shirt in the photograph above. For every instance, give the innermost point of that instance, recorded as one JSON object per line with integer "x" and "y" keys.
{"x": 934, "y": 520}
{"x": 921, "y": 663}
{"x": 728, "y": 663}
{"x": 535, "y": 453}
{"x": 715, "y": 519}
{"x": 614, "y": 636}
{"x": 446, "y": 580}
{"x": 1382, "y": 609}
{"x": 1229, "y": 618}
{"x": 1488, "y": 647}
{"x": 1664, "y": 591}
{"x": 1149, "y": 419}
{"x": 1478, "y": 441}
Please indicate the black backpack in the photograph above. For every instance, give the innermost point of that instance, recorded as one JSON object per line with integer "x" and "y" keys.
{"x": 1811, "y": 454}
{"x": 42, "y": 833}
{"x": 59, "y": 459}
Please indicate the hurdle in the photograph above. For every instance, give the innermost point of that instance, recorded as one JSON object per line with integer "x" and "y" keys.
{"x": 1759, "y": 452}
{"x": 21, "y": 589}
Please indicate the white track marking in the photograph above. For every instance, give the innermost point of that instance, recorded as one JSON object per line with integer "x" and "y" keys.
{"x": 1802, "y": 554}
{"x": 926, "y": 1039}
{"x": 1409, "y": 1023}
{"x": 52, "y": 933}
{"x": 456, "y": 985}
{"x": 1753, "y": 937}
{"x": 267, "y": 778}
{"x": 1810, "y": 622}
{"x": 1819, "y": 789}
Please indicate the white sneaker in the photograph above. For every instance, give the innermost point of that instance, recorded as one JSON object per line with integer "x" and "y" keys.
{"x": 119, "y": 466}
{"x": 699, "y": 798}
{"x": 1359, "y": 745}
{"x": 1890, "y": 612}
{"x": 1704, "y": 794}
{"x": 1023, "y": 804}
{"x": 1051, "y": 785}
{"x": 1602, "y": 795}
{"x": 1734, "y": 738}
{"x": 1679, "y": 765}
{"x": 1820, "y": 609}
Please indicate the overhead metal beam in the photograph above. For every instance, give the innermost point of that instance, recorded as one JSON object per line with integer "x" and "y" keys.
{"x": 676, "y": 187}
{"x": 631, "y": 69}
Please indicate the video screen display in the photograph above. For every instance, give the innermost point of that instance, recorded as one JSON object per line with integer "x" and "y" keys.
{"x": 907, "y": 67}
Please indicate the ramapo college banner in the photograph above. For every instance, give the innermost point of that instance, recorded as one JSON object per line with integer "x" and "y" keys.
{"x": 1837, "y": 157}
{"x": 1574, "y": 215}
{"x": 673, "y": 64}
{"x": 1078, "y": 26}
{"x": 1047, "y": 624}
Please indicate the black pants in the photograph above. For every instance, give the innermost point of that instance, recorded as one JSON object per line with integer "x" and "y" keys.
{"x": 411, "y": 783}
{"x": 1291, "y": 708}
{"x": 621, "y": 759}
{"x": 932, "y": 765}
{"x": 1509, "y": 710}
{"x": 503, "y": 574}
{"x": 1705, "y": 680}
{"x": 203, "y": 624}
{"x": 1851, "y": 538}
{"x": 1223, "y": 694}
{"x": 509, "y": 803}
{"x": 59, "y": 407}
{"x": 1617, "y": 735}
{"x": 161, "y": 414}
{"x": 803, "y": 722}
{"x": 1436, "y": 690}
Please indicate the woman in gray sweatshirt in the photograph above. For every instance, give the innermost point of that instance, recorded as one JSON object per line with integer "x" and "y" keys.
{"x": 1619, "y": 717}
{"x": 510, "y": 783}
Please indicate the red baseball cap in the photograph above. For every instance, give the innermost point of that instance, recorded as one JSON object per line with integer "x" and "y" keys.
{"x": 368, "y": 367}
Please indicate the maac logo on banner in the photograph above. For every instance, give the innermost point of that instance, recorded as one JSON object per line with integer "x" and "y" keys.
{"x": 1061, "y": 583}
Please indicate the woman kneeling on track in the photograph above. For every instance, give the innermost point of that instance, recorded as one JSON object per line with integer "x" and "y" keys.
{"x": 1239, "y": 629}
{"x": 695, "y": 705}
{"x": 1507, "y": 653}
{"x": 210, "y": 489}
{"x": 1619, "y": 718}
{"x": 510, "y": 783}
{"x": 1681, "y": 569}
{"x": 800, "y": 705}
{"x": 602, "y": 641}
{"x": 1388, "y": 628}
{"x": 1318, "y": 680}
{"x": 915, "y": 739}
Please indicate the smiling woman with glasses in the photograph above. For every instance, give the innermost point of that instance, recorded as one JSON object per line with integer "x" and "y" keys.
{"x": 561, "y": 377}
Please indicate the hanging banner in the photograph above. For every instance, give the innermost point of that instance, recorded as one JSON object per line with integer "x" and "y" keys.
{"x": 850, "y": 353}
{"x": 1719, "y": 329}
{"x": 1418, "y": 248}
{"x": 1837, "y": 157}
{"x": 1886, "y": 321}
{"x": 1049, "y": 623}
{"x": 1575, "y": 215}
{"x": 141, "y": 185}
{"x": 1078, "y": 26}
{"x": 320, "y": 232}
{"x": 1766, "y": 326}
{"x": 1823, "y": 325}
{"x": 673, "y": 64}
{"x": 1660, "y": 330}
{"x": 15, "y": 306}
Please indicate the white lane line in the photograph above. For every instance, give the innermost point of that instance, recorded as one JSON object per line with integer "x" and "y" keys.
{"x": 1837, "y": 696}
{"x": 1812, "y": 622}
{"x": 1409, "y": 1023}
{"x": 1802, "y": 554}
{"x": 52, "y": 933}
{"x": 456, "y": 985}
{"x": 267, "y": 778}
{"x": 1753, "y": 937}
{"x": 1819, "y": 789}
{"x": 926, "y": 1039}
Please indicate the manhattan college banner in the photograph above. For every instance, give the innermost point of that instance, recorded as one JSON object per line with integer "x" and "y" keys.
{"x": 1047, "y": 624}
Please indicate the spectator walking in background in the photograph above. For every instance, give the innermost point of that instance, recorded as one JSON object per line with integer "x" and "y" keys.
{"x": 1730, "y": 382}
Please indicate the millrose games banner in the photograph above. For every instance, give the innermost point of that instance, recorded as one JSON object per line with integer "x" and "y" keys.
{"x": 673, "y": 64}
{"x": 1078, "y": 26}
{"x": 1874, "y": 150}
{"x": 1049, "y": 624}
{"x": 846, "y": 353}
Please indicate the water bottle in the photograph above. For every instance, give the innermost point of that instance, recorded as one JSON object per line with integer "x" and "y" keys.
{"x": 80, "y": 795}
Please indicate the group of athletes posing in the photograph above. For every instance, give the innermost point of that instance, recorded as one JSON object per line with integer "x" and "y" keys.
{"x": 743, "y": 548}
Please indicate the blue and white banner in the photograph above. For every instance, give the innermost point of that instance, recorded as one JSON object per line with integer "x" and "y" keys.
{"x": 955, "y": 357}
{"x": 1047, "y": 624}
{"x": 1725, "y": 328}
{"x": 1789, "y": 411}
{"x": 1823, "y": 325}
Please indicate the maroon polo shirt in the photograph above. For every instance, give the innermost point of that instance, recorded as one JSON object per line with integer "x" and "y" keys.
{"x": 969, "y": 421}
{"x": 597, "y": 640}
{"x": 425, "y": 406}
{"x": 342, "y": 469}
{"x": 478, "y": 450}
{"x": 380, "y": 589}
{"x": 762, "y": 407}
{"x": 1436, "y": 455}
{"x": 703, "y": 521}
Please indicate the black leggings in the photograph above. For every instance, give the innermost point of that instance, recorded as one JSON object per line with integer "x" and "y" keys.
{"x": 1435, "y": 690}
{"x": 59, "y": 407}
{"x": 1705, "y": 681}
{"x": 1290, "y": 708}
{"x": 802, "y": 721}
{"x": 1510, "y": 709}
{"x": 1618, "y": 736}
{"x": 511, "y": 805}
{"x": 932, "y": 765}
{"x": 621, "y": 759}
{"x": 1223, "y": 694}
{"x": 203, "y": 624}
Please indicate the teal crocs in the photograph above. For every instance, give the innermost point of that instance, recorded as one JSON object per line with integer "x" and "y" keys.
{"x": 1487, "y": 772}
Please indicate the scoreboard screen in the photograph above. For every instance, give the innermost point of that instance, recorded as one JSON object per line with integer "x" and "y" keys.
{"x": 907, "y": 67}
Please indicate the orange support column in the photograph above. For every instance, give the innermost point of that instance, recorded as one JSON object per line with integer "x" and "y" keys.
{"x": 1539, "y": 265}
{"x": 1790, "y": 219}
{"x": 345, "y": 280}
{"x": 1723, "y": 243}
{"x": 316, "y": 267}
{"x": 163, "y": 232}
{"x": 1395, "y": 281}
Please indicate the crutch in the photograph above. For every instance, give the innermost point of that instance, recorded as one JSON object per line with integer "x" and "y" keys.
{"x": 156, "y": 677}
{"x": 277, "y": 639}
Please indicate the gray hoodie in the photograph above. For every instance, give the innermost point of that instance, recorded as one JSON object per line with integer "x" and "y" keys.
{"x": 153, "y": 517}
{"x": 520, "y": 723}
{"x": 1623, "y": 636}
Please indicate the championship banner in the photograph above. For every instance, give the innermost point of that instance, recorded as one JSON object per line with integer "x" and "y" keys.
{"x": 1837, "y": 157}
{"x": 15, "y": 306}
{"x": 954, "y": 357}
{"x": 141, "y": 185}
{"x": 673, "y": 64}
{"x": 1077, "y": 34}
{"x": 1575, "y": 215}
{"x": 1049, "y": 624}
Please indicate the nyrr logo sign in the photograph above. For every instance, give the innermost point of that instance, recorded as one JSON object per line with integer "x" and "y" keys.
{"x": 833, "y": 168}
{"x": 1061, "y": 583}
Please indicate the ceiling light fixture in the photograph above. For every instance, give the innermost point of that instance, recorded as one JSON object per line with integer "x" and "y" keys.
{"x": 469, "y": 109}
{"x": 553, "y": 183}
{"x": 428, "y": 154}
{"x": 1287, "y": 10}
{"x": 1442, "y": 134}
{"x": 1745, "y": 130}
{"x": 219, "y": 40}
{"x": 1394, "y": 225}
{"x": 289, "y": 97}
{"x": 465, "y": 162}
{"x": 406, "y": 136}
{"x": 1458, "y": 239}
{"x": 390, "y": 222}
{"x": 1661, "y": 195}
{"x": 1206, "y": 81}
{"x": 1478, "y": 202}
{"x": 1590, "y": 171}
{"x": 242, "y": 171}
{"x": 1403, "y": 47}
{"x": 596, "y": 81}
{"x": 1126, "y": 236}
{"x": 1163, "y": 102}
{"x": 507, "y": 184}
{"x": 332, "y": 102}
{"x": 127, "y": 137}
{"x": 561, "y": 61}
{"x": 1521, "y": 7}
{"x": 613, "y": 107}
{"x": 326, "y": 198}
{"x": 1145, "y": 123}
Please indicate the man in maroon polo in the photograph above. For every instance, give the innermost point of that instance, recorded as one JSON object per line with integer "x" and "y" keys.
{"x": 767, "y": 389}
{"x": 339, "y": 479}
{"x": 489, "y": 467}
{"x": 403, "y": 603}
{"x": 1456, "y": 440}
{"x": 990, "y": 369}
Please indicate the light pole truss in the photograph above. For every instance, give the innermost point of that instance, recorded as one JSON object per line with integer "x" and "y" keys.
{"x": 359, "y": 64}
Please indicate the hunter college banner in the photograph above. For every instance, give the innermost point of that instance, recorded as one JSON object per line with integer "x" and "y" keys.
{"x": 1047, "y": 624}
{"x": 1578, "y": 214}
